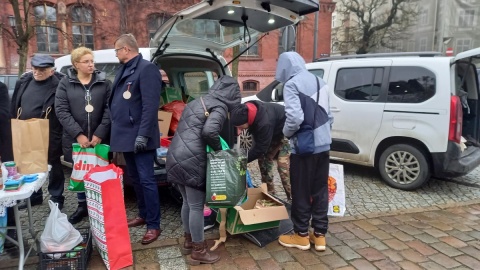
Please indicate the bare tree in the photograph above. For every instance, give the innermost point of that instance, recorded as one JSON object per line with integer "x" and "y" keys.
{"x": 367, "y": 24}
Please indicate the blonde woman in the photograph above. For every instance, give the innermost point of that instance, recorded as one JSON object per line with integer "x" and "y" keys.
{"x": 81, "y": 107}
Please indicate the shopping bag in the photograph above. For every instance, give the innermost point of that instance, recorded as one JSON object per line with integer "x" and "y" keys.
{"x": 30, "y": 144}
{"x": 59, "y": 234}
{"x": 3, "y": 228}
{"x": 108, "y": 219}
{"x": 336, "y": 191}
{"x": 85, "y": 159}
{"x": 226, "y": 176}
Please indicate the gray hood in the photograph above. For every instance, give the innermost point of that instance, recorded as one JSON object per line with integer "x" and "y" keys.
{"x": 227, "y": 90}
{"x": 289, "y": 65}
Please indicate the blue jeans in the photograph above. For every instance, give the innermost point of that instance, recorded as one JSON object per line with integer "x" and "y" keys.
{"x": 140, "y": 170}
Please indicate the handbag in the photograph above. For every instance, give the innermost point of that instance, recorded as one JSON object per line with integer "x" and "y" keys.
{"x": 304, "y": 140}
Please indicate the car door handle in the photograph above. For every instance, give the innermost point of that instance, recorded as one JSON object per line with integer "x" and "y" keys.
{"x": 334, "y": 109}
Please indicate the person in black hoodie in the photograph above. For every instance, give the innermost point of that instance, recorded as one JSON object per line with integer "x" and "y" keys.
{"x": 81, "y": 107}
{"x": 35, "y": 94}
{"x": 265, "y": 122}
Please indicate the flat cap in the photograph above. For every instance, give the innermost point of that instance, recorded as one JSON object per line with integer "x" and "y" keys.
{"x": 42, "y": 60}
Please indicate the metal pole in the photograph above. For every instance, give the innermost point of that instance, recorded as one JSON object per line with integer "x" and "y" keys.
{"x": 315, "y": 36}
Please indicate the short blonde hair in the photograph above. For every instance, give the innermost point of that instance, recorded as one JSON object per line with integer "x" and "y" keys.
{"x": 79, "y": 53}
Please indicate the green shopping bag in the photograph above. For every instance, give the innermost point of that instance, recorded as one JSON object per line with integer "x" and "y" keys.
{"x": 226, "y": 176}
{"x": 84, "y": 159}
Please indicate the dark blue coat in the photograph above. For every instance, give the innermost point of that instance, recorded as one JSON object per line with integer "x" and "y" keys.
{"x": 137, "y": 116}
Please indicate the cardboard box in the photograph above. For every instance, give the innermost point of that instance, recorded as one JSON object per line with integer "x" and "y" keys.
{"x": 245, "y": 218}
{"x": 164, "y": 119}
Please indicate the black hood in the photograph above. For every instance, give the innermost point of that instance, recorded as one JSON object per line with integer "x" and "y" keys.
{"x": 227, "y": 90}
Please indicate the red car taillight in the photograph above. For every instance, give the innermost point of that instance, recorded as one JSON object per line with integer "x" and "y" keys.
{"x": 456, "y": 118}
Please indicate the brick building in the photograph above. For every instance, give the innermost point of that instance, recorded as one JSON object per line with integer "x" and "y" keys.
{"x": 96, "y": 24}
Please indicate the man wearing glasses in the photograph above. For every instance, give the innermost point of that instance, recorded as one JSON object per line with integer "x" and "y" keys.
{"x": 134, "y": 113}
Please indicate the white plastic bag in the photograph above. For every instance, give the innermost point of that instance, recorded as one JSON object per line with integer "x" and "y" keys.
{"x": 336, "y": 191}
{"x": 59, "y": 234}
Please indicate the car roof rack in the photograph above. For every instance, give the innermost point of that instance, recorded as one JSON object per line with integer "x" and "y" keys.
{"x": 372, "y": 55}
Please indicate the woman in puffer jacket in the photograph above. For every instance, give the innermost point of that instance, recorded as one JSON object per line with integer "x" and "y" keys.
{"x": 187, "y": 159}
{"x": 81, "y": 107}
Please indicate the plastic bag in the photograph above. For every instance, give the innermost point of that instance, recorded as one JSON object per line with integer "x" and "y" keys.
{"x": 85, "y": 159}
{"x": 226, "y": 176}
{"x": 59, "y": 234}
{"x": 176, "y": 108}
{"x": 3, "y": 229}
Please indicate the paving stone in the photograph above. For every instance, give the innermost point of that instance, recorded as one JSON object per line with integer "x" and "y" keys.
{"x": 387, "y": 228}
{"x": 413, "y": 256}
{"x": 382, "y": 235}
{"x": 461, "y": 235}
{"x": 345, "y": 268}
{"x": 444, "y": 260}
{"x": 333, "y": 261}
{"x": 474, "y": 234}
{"x": 333, "y": 241}
{"x": 472, "y": 251}
{"x": 402, "y": 236}
{"x": 371, "y": 254}
{"x": 148, "y": 266}
{"x": 306, "y": 258}
{"x": 345, "y": 236}
{"x": 246, "y": 263}
{"x": 395, "y": 244}
{"x": 282, "y": 256}
{"x": 292, "y": 266}
{"x": 336, "y": 228}
{"x": 376, "y": 221}
{"x": 440, "y": 225}
{"x": 409, "y": 265}
{"x": 414, "y": 225}
{"x": 432, "y": 266}
{"x": 393, "y": 255}
{"x": 469, "y": 261}
{"x": 435, "y": 233}
{"x": 446, "y": 249}
{"x": 168, "y": 253}
{"x": 259, "y": 254}
{"x": 452, "y": 241}
{"x": 269, "y": 264}
{"x": 319, "y": 266}
{"x": 362, "y": 264}
{"x": 376, "y": 244}
{"x": 421, "y": 247}
{"x": 365, "y": 225}
{"x": 346, "y": 253}
{"x": 427, "y": 238}
{"x": 386, "y": 265}
{"x": 173, "y": 264}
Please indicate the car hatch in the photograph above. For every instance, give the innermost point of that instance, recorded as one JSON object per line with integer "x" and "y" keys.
{"x": 219, "y": 24}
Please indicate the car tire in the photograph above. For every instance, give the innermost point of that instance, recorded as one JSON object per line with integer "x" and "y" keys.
{"x": 404, "y": 166}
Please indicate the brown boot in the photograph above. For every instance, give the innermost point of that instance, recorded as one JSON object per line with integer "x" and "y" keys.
{"x": 201, "y": 254}
{"x": 187, "y": 245}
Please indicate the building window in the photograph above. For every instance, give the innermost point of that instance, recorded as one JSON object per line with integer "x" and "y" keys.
{"x": 399, "y": 46}
{"x": 46, "y": 31}
{"x": 423, "y": 44}
{"x": 466, "y": 17}
{"x": 423, "y": 17}
{"x": 154, "y": 21}
{"x": 280, "y": 47}
{"x": 252, "y": 51}
{"x": 82, "y": 27}
{"x": 333, "y": 21}
{"x": 411, "y": 46}
{"x": 250, "y": 86}
{"x": 463, "y": 44}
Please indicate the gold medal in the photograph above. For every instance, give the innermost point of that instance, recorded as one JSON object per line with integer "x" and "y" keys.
{"x": 89, "y": 108}
{"x": 127, "y": 95}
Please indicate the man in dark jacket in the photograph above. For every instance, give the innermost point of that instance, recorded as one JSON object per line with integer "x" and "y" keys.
{"x": 134, "y": 104}
{"x": 265, "y": 122}
{"x": 35, "y": 94}
{"x": 5, "y": 128}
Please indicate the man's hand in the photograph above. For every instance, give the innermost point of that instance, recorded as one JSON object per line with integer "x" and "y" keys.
{"x": 140, "y": 144}
{"x": 95, "y": 140}
{"x": 83, "y": 141}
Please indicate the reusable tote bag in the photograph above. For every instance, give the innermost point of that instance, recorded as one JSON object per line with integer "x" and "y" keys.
{"x": 85, "y": 159}
{"x": 108, "y": 219}
{"x": 226, "y": 176}
{"x": 336, "y": 190}
{"x": 30, "y": 143}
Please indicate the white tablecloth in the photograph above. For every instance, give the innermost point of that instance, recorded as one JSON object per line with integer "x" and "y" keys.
{"x": 9, "y": 198}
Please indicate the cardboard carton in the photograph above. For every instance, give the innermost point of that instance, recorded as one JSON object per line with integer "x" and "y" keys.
{"x": 246, "y": 218}
{"x": 164, "y": 119}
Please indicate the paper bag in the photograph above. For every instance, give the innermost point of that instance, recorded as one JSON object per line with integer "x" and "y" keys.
{"x": 336, "y": 191}
{"x": 108, "y": 219}
{"x": 30, "y": 144}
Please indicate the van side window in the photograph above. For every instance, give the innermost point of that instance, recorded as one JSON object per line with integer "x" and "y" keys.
{"x": 410, "y": 85}
{"x": 359, "y": 84}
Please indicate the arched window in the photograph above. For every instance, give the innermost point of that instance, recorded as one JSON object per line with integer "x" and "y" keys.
{"x": 82, "y": 27}
{"x": 46, "y": 31}
{"x": 154, "y": 21}
{"x": 250, "y": 86}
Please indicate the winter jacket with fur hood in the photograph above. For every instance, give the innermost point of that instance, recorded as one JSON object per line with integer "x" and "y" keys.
{"x": 187, "y": 156}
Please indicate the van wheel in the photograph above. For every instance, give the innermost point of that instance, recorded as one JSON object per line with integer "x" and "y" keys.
{"x": 246, "y": 139}
{"x": 404, "y": 167}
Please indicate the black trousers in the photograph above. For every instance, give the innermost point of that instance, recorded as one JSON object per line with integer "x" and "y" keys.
{"x": 309, "y": 180}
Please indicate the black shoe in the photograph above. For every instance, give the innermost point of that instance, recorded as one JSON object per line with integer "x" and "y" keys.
{"x": 33, "y": 202}
{"x": 81, "y": 212}
{"x": 209, "y": 221}
{"x": 13, "y": 234}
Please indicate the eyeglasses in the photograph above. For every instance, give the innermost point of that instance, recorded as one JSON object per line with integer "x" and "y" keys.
{"x": 116, "y": 50}
{"x": 87, "y": 62}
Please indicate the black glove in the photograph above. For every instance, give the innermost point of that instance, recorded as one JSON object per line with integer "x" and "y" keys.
{"x": 140, "y": 144}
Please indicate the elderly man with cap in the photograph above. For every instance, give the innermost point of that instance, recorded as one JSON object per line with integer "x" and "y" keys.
{"x": 35, "y": 94}
{"x": 265, "y": 122}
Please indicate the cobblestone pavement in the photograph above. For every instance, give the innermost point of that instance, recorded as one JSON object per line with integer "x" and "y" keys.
{"x": 375, "y": 232}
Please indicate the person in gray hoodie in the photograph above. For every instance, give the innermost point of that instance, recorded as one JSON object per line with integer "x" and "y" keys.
{"x": 306, "y": 100}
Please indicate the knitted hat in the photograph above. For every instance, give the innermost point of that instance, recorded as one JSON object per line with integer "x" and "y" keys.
{"x": 239, "y": 115}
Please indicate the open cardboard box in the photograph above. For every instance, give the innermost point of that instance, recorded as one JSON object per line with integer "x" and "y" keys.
{"x": 164, "y": 119}
{"x": 245, "y": 218}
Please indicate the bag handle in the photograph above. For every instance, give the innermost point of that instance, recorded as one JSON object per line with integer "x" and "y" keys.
{"x": 49, "y": 109}
{"x": 204, "y": 107}
{"x": 19, "y": 112}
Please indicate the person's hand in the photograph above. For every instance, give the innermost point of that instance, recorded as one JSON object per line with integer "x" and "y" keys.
{"x": 83, "y": 141}
{"x": 140, "y": 144}
{"x": 95, "y": 140}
